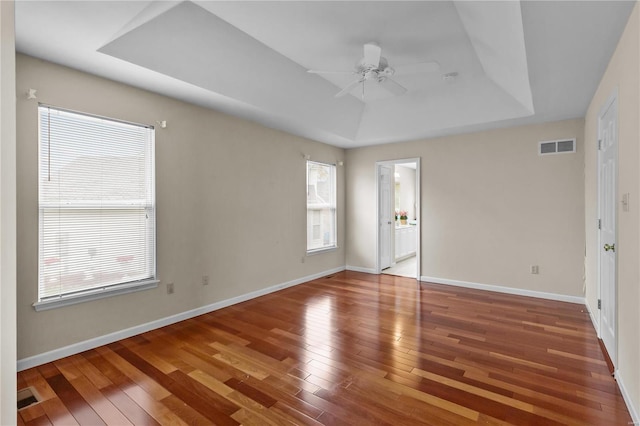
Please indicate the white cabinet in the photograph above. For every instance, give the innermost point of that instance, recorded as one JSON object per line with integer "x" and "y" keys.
{"x": 405, "y": 241}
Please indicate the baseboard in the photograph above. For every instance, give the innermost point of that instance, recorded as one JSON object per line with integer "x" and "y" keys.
{"x": 508, "y": 290}
{"x": 594, "y": 320}
{"x": 633, "y": 410}
{"x": 405, "y": 257}
{"x": 85, "y": 345}
{"x": 359, "y": 269}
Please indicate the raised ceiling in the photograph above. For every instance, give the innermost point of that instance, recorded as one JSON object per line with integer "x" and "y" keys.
{"x": 516, "y": 62}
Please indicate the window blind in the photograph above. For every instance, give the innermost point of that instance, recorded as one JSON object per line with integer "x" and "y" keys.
{"x": 96, "y": 202}
{"x": 321, "y": 206}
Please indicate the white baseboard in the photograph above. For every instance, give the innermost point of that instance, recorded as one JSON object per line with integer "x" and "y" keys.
{"x": 85, "y": 345}
{"x": 508, "y": 290}
{"x": 633, "y": 410}
{"x": 594, "y": 320}
{"x": 359, "y": 269}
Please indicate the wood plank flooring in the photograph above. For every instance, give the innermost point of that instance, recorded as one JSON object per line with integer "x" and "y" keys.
{"x": 351, "y": 348}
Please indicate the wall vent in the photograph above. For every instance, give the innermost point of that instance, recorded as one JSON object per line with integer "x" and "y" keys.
{"x": 561, "y": 146}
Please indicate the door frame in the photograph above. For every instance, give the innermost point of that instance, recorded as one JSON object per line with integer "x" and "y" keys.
{"x": 418, "y": 210}
{"x": 390, "y": 224}
{"x": 611, "y": 101}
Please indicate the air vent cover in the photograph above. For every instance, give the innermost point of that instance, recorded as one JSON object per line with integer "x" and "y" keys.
{"x": 561, "y": 146}
{"x": 27, "y": 397}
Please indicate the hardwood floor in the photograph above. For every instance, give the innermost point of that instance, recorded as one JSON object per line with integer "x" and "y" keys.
{"x": 351, "y": 348}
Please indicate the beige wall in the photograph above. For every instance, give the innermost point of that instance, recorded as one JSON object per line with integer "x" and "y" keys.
{"x": 208, "y": 165}
{"x": 491, "y": 207}
{"x": 7, "y": 216}
{"x": 623, "y": 76}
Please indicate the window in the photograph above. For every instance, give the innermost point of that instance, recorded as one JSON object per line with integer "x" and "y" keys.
{"x": 97, "y": 207}
{"x": 321, "y": 206}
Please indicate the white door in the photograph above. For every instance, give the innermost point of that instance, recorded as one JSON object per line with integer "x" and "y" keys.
{"x": 607, "y": 165}
{"x": 385, "y": 219}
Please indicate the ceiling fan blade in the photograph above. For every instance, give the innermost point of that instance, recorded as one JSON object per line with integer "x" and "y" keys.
{"x": 329, "y": 72}
{"x": 392, "y": 86}
{"x": 417, "y": 68}
{"x": 349, "y": 88}
{"x": 372, "y": 54}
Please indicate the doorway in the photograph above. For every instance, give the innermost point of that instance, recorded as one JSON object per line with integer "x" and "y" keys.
{"x": 398, "y": 212}
{"x": 607, "y": 211}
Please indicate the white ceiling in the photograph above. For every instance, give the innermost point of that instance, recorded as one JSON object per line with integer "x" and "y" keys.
{"x": 517, "y": 62}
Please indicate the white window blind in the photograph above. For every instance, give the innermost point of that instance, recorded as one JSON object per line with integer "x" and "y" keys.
{"x": 97, "y": 205}
{"x": 321, "y": 206}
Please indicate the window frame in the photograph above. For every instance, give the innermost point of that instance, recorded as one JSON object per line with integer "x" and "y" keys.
{"x": 148, "y": 205}
{"x": 332, "y": 205}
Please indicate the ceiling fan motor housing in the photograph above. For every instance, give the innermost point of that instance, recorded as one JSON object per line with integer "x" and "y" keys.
{"x": 373, "y": 72}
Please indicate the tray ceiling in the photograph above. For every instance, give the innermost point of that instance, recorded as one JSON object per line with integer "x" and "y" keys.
{"x": 516, "y": 62}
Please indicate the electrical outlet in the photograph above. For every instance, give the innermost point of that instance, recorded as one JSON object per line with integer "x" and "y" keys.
{"x": 205, "y": 280}
{"x": 535, "y": 269}
{"x": 169, "y": 288}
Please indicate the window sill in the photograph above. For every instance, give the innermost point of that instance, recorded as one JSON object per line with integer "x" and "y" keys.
{"x": 96, "y": 294}
{"x": 321, "y": 250}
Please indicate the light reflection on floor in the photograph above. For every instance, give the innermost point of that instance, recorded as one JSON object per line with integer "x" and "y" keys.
{"x": 318, "y": 322}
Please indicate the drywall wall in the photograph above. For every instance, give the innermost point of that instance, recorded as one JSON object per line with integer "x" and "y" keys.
{"x": 491, "y": 207}
{"x": 231, "y": 204}
{"x": 622, "y": 76}
{"x": 7, "y": 215}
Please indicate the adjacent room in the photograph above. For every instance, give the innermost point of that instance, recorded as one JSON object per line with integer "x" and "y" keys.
{"x": 352, "y": 212}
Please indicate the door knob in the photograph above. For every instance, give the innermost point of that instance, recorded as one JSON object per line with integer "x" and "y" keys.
{"x": 611, "y": 247}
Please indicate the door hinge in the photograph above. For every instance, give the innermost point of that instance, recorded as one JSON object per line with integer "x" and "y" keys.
{"x": 599, "y": 304}
{"x": 599, "y": 144}
{"x": 599, "y": 223}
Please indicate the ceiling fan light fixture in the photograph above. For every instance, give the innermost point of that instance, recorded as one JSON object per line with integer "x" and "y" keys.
{"x": 373, "y": 67}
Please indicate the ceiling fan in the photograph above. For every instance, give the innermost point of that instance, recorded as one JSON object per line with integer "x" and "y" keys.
{"x": 374, "y": 68}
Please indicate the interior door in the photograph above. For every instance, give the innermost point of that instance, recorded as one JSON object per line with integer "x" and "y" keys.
{"x": 607, "y": 164}
{"x": 385, "y": 219}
